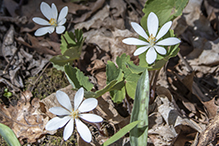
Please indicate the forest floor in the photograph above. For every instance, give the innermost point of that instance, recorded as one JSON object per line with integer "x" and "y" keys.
{"x": 184, "y": 111}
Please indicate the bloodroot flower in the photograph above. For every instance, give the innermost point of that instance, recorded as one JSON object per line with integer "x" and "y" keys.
{"x": 68, "y": 115}
{"x": 152, "y": 45}
{"x": 55, "y": 21}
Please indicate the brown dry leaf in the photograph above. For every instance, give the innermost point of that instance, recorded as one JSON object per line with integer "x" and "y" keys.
{"x": 25, "y": 119}
{"x": 40, "y": 47}
{"x": 9, "y": 51}
{"x": 195, "y": 19}
{"x": 93, "y": 8}
{"x": 96, "y": 20}
{"x": 118, "y": 8}
{"x": 195, "y": 89}
{"x": 165, "y": 134}
{"x": 209, "y": 134}
{"x": 111, "y": 41}
{"x": 32, "y": 8}
{"x": 8, "y": 45}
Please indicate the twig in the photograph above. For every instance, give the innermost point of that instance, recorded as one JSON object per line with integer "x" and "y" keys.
{"x": 185, "y": 62}
{"x": 153, "y": 82}
{"x": 9, "y": 63}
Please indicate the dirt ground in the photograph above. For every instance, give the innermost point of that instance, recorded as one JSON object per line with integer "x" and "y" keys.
{"x": 184, "y": 110}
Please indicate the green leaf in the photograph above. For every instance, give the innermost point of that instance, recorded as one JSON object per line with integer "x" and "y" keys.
{"x": 76, "y": 78}
{"x": 72, "y": 40}
{"x": 131, "y": 83}
{"x": 112, "y": 71}
{"x": 135, "y": 69}
{"x": 70, "y": 72}
{"x": 121, "y": 133}
{"x": 83, "y": 80}
{"x": 139, "y": 134}
{"x": 108, "y": 87}
{"x": 8, "y": 135}
{"x": 122, "y": 62}
{"x": 71, "y": 46}
{"x": 61, "y": 60}
{"x": 118, "y": 94}
{"x": 165, "y": 10}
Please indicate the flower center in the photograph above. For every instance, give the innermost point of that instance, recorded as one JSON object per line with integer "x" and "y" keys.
{"x": 151, "y": 40}
{"x": 52, "y": 21}
{"x": 75, "y": 114}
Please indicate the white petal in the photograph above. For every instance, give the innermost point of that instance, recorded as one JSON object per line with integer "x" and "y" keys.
{"x": 83, "y": 131}
{"x": 60, "y": 29}
{"x": 54, "y": 11}
{"x": 63, "y": 99}
{"x": 62, "y": 22}
{"x": 160, "y": 50}
{"x": 168, "y": 41}
{"x": 46, "y": 10}
{"x": 134, "y": 41}
{"x": 63, "y": 13}
{"x": 69, "y": 128}
{"x": 151, "y": 55}
{"x": 56, "y": 123}
{"x": 164, "y": 29}
{"x": 51, "y": 29}
{"x": 88, "y": 105}
{"x": 152, "y": 23}
{"x": 40, "y": 21}
{"x": 91, "y": 117}
{"x": 44, "y": 30}
{"x": 140, "y": 50}
{"x": 79, "y": 95}
{"x": 139, "y": 30}
{"x": 59, "y": 111}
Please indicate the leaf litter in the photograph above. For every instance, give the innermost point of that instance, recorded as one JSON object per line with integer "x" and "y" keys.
{"x": 184, "y": 111}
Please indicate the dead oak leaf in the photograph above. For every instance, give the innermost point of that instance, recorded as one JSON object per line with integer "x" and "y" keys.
{"x": 40, "y": 47}
{"x": 25, "y": 119}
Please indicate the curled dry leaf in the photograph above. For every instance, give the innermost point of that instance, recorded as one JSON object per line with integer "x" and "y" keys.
{"x": 25, "y": 119}
{"x": 209, "y": 134}
{"x": 195, "y": 89}
{"x": 166, "y": 133}
{"x": 111, "y": 41}
{"x": 94, "y": 7}
{"x": 96, "y": 20}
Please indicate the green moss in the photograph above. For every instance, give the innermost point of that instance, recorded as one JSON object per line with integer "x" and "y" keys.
{"x": 2, "y": 141}
{"x": 51, "y": 81}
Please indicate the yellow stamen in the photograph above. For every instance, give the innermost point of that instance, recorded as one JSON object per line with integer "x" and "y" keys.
{"x": 151, "y": 40}
{"x": 52, "y": 21}
{"x": 75, "y": 114}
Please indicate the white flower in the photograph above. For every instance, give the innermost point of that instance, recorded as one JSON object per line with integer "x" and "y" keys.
{"x": 68, "y": 115}
{"x": 55, "y": 22}
{"x": 153, "y": 43}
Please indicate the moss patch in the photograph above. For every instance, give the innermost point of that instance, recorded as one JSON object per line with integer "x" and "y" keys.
{"x": 51, "y": 81}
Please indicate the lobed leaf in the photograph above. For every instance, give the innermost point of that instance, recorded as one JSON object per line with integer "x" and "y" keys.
{"x": 76, "y": 78}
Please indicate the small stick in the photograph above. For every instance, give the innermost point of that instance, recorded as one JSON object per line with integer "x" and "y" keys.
{"x": 185, "y": 62}
{"x": 9, "y": 63}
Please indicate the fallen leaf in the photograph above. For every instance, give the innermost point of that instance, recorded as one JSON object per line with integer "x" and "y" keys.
{"x": 96, "y": 20}
{"x": 25, "y": 119}
{"x": 93, "y": 8}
